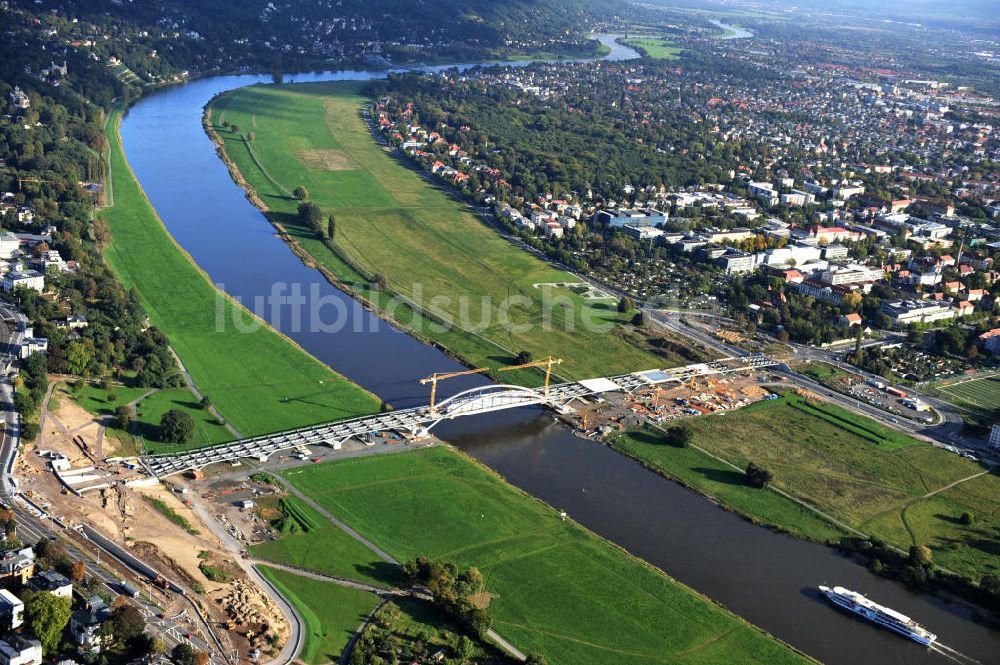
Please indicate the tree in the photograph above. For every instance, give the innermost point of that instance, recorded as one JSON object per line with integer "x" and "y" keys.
{"x": 921, "y": 555}
{"x": 536, "y": 659}
{"x": 311, "y": 216}
{"x": 29, "y": 431}
{"x": 182, "y": 654}
{"x": 24, "y": 403}
{"x": 301, "y": 193}
{"x": 78, "y": 357}
{"x": 380, "y": 281}
{"x": 122, "y": 418}
{"x": 625, "y": 305}
{"x": 757, "y": 476}
{"x": 128, "y": 622}
{"x": 465, "y": 648}
{"x": 46, "y": 616}
{"x": 331, "y": 227}
{"x": 679, "y": 436}
{"x": 639, "y": 320}
{"x": 967, "y": 519}
{"x": 523, "y": 358}
{"x": 176, "y": 426}
{"x": 78, "y": 570}
{"x": 205, "y": 403}
{"x": 201, "y": 658}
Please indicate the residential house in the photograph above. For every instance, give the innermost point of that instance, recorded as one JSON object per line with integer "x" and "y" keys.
{"x": 849, "y": 320}
{"x": 51, "y": 581}
{"x": 29, "y": 280}
{"x": 16, "y": 566}
{"x": 991, "y": 343}
{"x": 17, "y": 650}
{"x": 11, "y": 611}
{"x": 85, "y": 623}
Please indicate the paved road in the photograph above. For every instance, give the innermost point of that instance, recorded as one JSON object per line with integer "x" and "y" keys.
{"x": 296, "y": 637}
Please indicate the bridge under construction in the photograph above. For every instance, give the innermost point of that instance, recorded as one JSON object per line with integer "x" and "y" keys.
{"x": 418, "y": 421}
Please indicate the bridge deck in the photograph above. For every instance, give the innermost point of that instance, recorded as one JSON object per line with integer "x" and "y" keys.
{"x": 472, "y": 402}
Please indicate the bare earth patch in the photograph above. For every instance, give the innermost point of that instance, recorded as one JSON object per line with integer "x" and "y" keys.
{"x": 481, "y": 600}
{"x": 327, "y": 160}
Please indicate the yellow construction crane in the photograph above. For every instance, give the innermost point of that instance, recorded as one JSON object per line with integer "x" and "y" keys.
{"x": 21, "y": 181}
{"x": 544, "y": 362}
{"x": 694, "y": 376}
{"x": 438, "y": 376}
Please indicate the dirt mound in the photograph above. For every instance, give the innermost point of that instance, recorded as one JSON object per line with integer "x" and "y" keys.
{"x": 251, "y": 615}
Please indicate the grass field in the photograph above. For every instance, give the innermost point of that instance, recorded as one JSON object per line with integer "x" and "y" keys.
{"x": 557, "y": 589}
{"x": 259, "y": 381}
{"x": 331, "y": 613}
{"x": 706, "y": 474}
{"x": 657, "y": 49}
{"x": 430, "y": 248}
{"x": 847, "y": 466}
{"x": 979, "y": 395}
{"x": 149, "y": 411}
{"x": 318, "y": 545}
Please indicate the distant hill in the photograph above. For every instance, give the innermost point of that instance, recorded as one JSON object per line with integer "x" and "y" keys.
{"x": 304, "y": 24}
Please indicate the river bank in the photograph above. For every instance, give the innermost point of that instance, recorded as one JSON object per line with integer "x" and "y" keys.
{"x": 255, "y": 377}
{"x": 428, "y": 250}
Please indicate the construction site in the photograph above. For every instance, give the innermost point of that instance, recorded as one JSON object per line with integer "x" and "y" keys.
{"x": 601, "y": 416}
{"x": 189, "y": 574}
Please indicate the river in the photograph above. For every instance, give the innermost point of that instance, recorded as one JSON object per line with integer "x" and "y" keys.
{"x": 766, "y": 577}
{"x": 732, "y": 31}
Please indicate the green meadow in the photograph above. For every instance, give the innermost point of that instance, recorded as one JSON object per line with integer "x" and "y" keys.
{"x": 429, "y": 247}
{"x": 655, "y": 48}
{"x": 331, "y": 613}
{"x": 555, "y": 588}
{"x": 867, "y": 476}
{"x": 259, "y": 381}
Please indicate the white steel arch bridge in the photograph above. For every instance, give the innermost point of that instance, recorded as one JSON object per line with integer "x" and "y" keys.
{"x": 419, "y": 420}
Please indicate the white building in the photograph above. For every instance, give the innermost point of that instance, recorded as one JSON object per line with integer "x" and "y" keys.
{"x": 834, "y": 252}
{"x": 16, "y": 650}
{"x": 30, "y": 280}
{"x": 906, "y": 312}
{"x": 11, "y": 610}
{"x": 792, "y": 254}
{"x": 51, "y": 581}
{"x": 844, "y": 193}
{"x": 32, "y": 345}
{"x": 736, "y": 262}
{"x": 9, "y": 245}
{"x": 552, "y": 229}
{"x": 852, "y": 273}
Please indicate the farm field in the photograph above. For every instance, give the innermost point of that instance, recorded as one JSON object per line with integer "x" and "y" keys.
{"x": 258, "y": 380}
{"x": 331, "y": 613}
{"x": 430, "y": 248}
{"x": 613, "y": 607}
{"x": 655, "y": 48}
{"x": 865, "y": 475}
{"x": 979, "y": 395}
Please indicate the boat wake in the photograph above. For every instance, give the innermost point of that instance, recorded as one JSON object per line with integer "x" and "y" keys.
{"x": 953, "y": 654}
